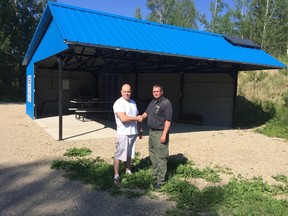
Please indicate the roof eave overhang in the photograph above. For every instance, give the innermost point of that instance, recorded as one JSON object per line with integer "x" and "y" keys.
{"x": 241, "y": 66}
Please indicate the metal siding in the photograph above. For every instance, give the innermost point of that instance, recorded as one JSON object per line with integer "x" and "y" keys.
{"x": 209, "y": 77}
{"x": 45, "y": 48}
{"x": 30, "y": 105}
{"x": 208, "y": 104}
{"x": 220, "y": 119}
{"x": 211, "y": 97}
{"x": 137, "y": 37}
{"x": 211, "y": 89}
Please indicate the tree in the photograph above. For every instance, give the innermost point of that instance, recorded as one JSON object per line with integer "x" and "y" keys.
{"x": 18, "y": 20}
{"x": 221, "y": 21}
{"x": 175, "y": 12}
{"x": 138, "y": 13}
{"x": 263, "y": 21}
{"x": 225, "y": 24}
{"x": 216, "y": 8}
{"x": 160, "y": 10}
{"x": 270, "y": 25}
{"x": 275, "y": 29}
{"x": 184, "y": 13}
{"x": 242, "y": 20}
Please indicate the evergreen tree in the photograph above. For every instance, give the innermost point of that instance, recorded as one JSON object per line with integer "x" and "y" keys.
{"x": 18, "y": 21}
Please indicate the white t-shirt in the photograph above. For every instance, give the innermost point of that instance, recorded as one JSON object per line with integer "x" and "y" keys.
{"x": 130, "y": 109}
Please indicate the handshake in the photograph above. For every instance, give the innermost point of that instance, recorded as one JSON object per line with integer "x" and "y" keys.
{"x": 139, "y": 118}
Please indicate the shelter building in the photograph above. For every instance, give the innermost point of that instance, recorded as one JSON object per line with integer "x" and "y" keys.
{"x": 81, "y": 51}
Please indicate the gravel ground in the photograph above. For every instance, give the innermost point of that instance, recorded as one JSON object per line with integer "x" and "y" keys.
{"x": 30, "y": 187}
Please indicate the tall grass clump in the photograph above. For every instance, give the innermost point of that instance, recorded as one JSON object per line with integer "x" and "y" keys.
{"x": 278, "y": 126}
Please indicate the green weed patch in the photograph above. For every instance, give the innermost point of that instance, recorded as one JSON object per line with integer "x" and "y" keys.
{"x": 278, "y": 126}
{"x": 238, "y": 197}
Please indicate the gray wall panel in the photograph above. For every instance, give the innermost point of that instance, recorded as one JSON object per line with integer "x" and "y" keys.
{"x": 208, "y": 103}
{"x": 209, "y": 89}
{"x": 210, "y": 96}
{"x": 208, "y": 77}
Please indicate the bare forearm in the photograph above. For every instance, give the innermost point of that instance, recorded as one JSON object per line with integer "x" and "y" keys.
{"x": 167, "y": 125}
{"x": 124, "y": 118}
{"x": 144, "y": 115}
{"x": 128, "y": 119}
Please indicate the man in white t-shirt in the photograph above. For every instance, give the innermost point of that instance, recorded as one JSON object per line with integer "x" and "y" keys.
{"x": 128, "y": 128}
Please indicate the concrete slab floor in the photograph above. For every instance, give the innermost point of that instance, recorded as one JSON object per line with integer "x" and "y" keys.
{"x": 95, "y": 127}
{"x": 74, "y": 129}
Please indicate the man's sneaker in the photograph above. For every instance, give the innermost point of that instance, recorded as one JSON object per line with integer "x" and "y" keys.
{"x": 117, "y": 181}
{"x": 128, "y": 172}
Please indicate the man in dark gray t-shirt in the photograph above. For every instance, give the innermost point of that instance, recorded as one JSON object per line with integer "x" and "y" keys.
{"x": 159, "y": 116}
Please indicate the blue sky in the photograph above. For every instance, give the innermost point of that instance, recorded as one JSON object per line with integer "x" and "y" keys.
{"x": 128, "y": 7}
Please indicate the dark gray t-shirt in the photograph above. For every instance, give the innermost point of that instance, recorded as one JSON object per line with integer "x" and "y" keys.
{"x": 158, "y": 112}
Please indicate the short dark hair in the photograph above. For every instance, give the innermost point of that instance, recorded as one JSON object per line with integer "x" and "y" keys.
{"x": 158, "y": 86}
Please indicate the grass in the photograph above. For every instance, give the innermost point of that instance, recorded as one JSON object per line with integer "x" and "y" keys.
{"x": 238, "y": 197}
{"x": 277, "y": 126}
{"x": 262, "y": 102}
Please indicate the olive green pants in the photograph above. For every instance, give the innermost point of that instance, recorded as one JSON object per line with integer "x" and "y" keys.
{"x": 159, "y": 154}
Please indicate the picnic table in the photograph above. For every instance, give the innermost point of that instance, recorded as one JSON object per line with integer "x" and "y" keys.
{"x": 84, "y": 106}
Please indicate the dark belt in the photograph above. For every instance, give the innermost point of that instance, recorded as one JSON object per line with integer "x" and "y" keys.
{"x": 153, "y": 129}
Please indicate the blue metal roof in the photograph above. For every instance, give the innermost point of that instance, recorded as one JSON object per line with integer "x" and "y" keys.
{"x": 90, "y": 27}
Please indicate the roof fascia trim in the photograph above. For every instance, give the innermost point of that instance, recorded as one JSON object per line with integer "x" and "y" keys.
{"x": 40, "y": 31}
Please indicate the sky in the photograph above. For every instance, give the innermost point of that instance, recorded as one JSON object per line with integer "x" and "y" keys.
{"x": 128, "y": 7}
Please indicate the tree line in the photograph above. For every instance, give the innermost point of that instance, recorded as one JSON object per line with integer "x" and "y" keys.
{"x": 263, "y": 21}
{"x": 18, "y": 21}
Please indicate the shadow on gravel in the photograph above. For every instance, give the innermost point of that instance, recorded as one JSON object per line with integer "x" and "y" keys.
{"x": 35, "y": 189}
{"x": 51, "y": 125}
{"x": 250, "y": 114}
{"x": 175, "y": 128}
